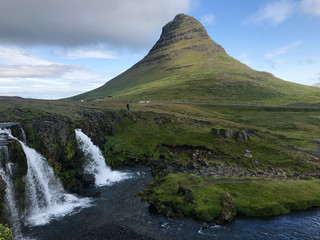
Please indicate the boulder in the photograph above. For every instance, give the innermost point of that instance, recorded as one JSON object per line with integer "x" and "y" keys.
{"x": 88, "y": 179}
{"x": 187, "y": 193}
{"x": 228, "y": 208}
{"x": 247, "y": 154}
{"x": 241, "y": 136}
{"x": 227, "y": 133}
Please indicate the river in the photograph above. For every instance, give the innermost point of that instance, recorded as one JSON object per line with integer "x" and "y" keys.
{"x": 118, "y": 205}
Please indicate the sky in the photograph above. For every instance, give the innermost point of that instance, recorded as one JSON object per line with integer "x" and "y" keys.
{"x": 57, "y": 49}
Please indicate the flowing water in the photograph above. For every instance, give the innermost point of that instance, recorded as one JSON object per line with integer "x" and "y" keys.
{"x": 46, "y": 198}
{"x": 118, "y": 205}
{"x": 95, "y": 163}
{"x": 6, "y": 173}
{"x": 53, "y": 214}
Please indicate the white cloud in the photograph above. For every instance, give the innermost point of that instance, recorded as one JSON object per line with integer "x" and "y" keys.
{"x": 80, "y": 53}
{"x": 27, "y": 75}
{"x": 68, "y": 84}
{"x": 36, "y": 71}
{"x": 19, "y": 56}
{"x": 208, "y": 19}
{"x": 311, "y": 6}
{"x": 282, "y": 50}
{"x": 244, "y": 58}
{"x": 273, "y": 13}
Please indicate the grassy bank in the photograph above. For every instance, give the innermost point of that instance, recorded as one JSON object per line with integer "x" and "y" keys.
{"x": 252, "y": 197}
{"x": 180, "y": 137}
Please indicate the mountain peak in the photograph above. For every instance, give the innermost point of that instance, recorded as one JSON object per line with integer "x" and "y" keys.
{"x": 183, "y": 33}
{"x": 186, "y": 65}
{"x": 182, "y": 27}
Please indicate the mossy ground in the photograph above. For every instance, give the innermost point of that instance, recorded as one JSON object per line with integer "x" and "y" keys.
{"x": 148, "y": 130}
{"x": 253, "y": 197}
{"x": 5, "y": 233}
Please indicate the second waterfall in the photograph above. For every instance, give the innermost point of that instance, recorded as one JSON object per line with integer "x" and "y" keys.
{"x": 94, "y": 162}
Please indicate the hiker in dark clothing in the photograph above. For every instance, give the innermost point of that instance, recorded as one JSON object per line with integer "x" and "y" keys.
{"x": 128, "y": 107}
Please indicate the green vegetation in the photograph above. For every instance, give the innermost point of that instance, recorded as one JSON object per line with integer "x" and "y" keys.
{"x": 5, "y": 233}
{"x": 253, "y": 197}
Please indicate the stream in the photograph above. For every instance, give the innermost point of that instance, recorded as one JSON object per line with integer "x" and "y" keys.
{"x": 118, "y": 205}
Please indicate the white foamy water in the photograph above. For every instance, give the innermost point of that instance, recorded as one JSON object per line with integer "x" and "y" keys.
{"x": 95, "y": 163}
{"x": 45, "y": 197}
{"x": 6, "y": 172}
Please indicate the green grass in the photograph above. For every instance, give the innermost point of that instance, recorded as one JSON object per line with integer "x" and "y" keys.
{"x": 253, "y": 197}
{"x": 5, "y": 233}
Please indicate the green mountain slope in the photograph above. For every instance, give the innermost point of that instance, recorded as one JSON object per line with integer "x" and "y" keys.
{"x": 187, "y": 65}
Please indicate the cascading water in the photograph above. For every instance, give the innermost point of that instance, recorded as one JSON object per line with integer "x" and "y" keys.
{"x": 6, "y": 172}
{"x": 95, "y": 163}
{"x": 45, "y": 196}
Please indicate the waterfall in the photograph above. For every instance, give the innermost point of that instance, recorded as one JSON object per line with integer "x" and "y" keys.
{"x": 45, "y": 197}
{"x": 6, "y": 174}
{"x": 95, "y": 163}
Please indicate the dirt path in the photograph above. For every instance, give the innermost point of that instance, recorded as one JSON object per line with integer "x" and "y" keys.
{"x": 243, "y": 105}
{"x": 213, "y": 181}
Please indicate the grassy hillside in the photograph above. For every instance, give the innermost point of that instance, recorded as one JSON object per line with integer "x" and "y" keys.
{"x": 176, "y": 139}
{"x": 193, "y": 68}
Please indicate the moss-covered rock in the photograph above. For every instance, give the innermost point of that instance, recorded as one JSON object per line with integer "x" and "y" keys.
{"x": 5, "y": 233}
{"x": 19, "y": 172}
{"x": 228, "y": 208}
{"x": 54, "y": 138}
{"x": 2, "y": 206}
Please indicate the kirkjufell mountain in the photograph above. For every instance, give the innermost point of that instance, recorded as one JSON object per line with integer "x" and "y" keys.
{"x": 186, "y": 65}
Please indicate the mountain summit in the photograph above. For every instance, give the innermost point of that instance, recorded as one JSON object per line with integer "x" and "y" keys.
{"x": 186, "y": 65}
{"x": 185, "y": 30}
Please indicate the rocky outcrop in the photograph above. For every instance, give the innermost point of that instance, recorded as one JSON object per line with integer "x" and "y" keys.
{"x": 19, "y": 172}
{"x": 228, "y": 209}
{"x": 239, "y": 135}
{"x": 54, "y": 138}
{"x": 189, "y": 33}
{"x": 2, "y": 206}
{"x": 186, "y": 192}
{"x": 88, "y": 179}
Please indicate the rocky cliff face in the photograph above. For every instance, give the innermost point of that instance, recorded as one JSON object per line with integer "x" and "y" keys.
{"x": 182, "y": 34}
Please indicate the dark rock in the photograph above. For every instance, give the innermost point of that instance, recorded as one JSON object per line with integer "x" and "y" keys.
{"x": 187, "y": 193}
{"x": 2, "y": 194}
{"x": 215, "y": 131}
{"x": 87, "y": 179}
{"x": 153, "y": 208}
{"x": 204, "y": 226}
{"x": 111, "y": 131}
{"x": 228, "y": 208}
{"x": 227, "y": 133}
{"x": 167, "y": 212}
{"x": 241, "y": 136}
{"x": 18, "y": 157}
